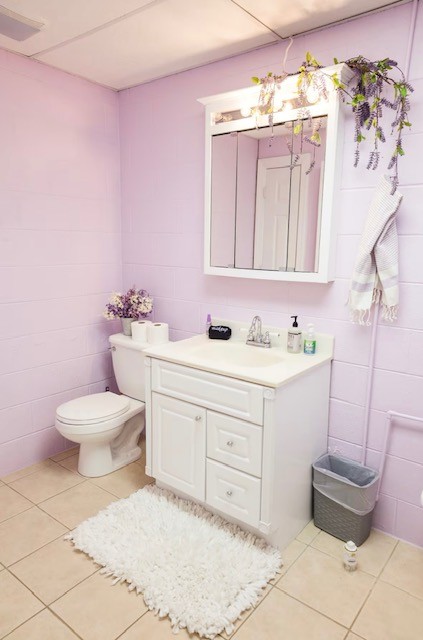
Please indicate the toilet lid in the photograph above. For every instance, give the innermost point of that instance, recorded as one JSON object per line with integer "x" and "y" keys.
{"x": 97, "y": 407}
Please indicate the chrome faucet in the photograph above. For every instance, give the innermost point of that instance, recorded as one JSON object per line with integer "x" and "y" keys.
{"x": 255, "y": 336}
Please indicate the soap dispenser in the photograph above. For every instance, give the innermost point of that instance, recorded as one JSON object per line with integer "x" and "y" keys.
{"x": 294, "y": 337}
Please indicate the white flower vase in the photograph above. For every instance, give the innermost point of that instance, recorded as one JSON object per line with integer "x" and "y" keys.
{"x": 126, "y": 326}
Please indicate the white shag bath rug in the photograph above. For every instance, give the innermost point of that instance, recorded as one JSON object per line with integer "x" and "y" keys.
{"x": 189, "y": 564}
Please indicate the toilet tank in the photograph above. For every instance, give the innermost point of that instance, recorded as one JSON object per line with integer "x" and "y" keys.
{"x": 128, "y": 365}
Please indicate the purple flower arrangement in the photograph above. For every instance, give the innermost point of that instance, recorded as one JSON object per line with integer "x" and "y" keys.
{"x": 132, "y": 304}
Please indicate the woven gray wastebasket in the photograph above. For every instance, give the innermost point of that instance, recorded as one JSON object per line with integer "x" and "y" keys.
{"x": 344, "y": 497}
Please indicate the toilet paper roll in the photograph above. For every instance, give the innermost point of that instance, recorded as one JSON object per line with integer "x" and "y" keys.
{"x": 158, "y": 333}
{"x": 140, "y": 330}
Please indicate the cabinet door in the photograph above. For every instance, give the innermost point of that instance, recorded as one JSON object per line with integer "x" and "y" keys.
{"x": 179, "y": 445}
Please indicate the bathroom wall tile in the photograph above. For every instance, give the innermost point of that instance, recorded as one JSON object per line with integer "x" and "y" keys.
{"x": 44, "y": 410}
{"x": 410, "y": 310}
{"x": 353, "y": 207}
{"x": 405, "y": 352}
{"x": 346, "y": 254}
{"x": 346, "y": 421}
{"x": 409, "y": 522}
{"x": 28, "y": 450}
{"x": 15, "y": 422}
{"x": 405, "y": 439}
{"x": 402, "y": 480}
{"x": 182, "y": 315}
{"x": 348, "y": 383}
{"x": 410, "y": 253}
{"x": 39, "y": 349}
{"x": 159, "y": 281}
{"x": 384, "y": 515}
{"x": 344, "y": 448}
{"x": 192, "y": 284}
{"x": 397, "y": 392}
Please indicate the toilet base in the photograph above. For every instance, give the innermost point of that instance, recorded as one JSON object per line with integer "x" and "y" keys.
{"x": 96, "y": 460}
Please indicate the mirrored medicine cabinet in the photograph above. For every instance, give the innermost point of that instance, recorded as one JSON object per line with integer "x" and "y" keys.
{"x": 271, "y": 201}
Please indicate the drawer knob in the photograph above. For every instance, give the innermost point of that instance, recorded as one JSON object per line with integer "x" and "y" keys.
{"x": 229, "y": 493}
{"x": 230, "y": 443}
{"x": 197, "y": 418}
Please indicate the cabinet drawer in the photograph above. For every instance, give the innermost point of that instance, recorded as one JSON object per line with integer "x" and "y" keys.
{"x": 236, "y": 443}
{"x": 233, "y": 492}
{"x": 226, "y": 395}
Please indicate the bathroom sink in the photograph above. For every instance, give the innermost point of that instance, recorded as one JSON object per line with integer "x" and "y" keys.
{"x": 236, "y": 353}
{"x": 270, "y": 367}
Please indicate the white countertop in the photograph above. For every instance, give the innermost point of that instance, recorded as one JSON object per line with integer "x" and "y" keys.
{"x": 268, "y": 367}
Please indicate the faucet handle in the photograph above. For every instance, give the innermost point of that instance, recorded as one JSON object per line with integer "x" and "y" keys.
{"x": 266, "y": 339}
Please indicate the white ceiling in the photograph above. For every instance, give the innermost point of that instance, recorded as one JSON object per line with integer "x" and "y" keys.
{"x": 121, "y": 43}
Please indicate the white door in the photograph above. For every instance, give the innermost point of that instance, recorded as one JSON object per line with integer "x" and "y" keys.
{"x": 280, "y": 210}
{"x": 179, "y": 445}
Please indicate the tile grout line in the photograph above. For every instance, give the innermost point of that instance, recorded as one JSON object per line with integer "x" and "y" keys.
{"x": 35, "y": 550}
{"x": 372, "y": 588}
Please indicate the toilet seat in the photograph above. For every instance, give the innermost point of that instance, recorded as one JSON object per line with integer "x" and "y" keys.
{"x": 92, "y": 409}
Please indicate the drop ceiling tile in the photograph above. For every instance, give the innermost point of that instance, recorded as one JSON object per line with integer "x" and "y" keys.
{"x": 64, "y": 19}
{"x": 288, "y": 18}
{"x": 167, "y": 37}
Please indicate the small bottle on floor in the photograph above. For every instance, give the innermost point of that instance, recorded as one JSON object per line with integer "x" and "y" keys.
{"x": 350, "y": 556}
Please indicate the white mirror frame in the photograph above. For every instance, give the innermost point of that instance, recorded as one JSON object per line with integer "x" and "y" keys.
{"x": 333, "y": 109}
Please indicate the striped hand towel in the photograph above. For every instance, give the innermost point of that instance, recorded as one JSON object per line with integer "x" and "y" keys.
{"x": 375, "y": 277}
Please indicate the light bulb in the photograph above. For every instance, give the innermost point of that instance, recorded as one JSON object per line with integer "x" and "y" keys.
{"x": 245, "y": 111}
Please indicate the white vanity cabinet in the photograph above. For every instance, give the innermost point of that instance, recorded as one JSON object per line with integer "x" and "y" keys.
{"x": 244, "y": 450}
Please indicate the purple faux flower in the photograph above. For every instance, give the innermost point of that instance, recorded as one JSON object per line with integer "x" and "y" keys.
{"x": 132, "y": 304}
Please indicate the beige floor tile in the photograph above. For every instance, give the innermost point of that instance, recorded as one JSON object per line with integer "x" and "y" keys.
{"x": 150, "y": 627}
{"x": 17, "y": 603}
{"x": 124, "y": 481}
{"x": 51, "y": 571}
{"x": 12, "y": 503}
{"x": 46, "y": 483}
{"x": 307, "y": 535}
{"x": 246, "y": 614}
{"x": 77, "y": 504}
{"x": 405, "y": 569}
{"x": 25, "y": 533}
{"x": 70, "y": 463}
{"x": 321, "y": 582}
{"x": 390, "y": 614}
{"x": 96, "y": 610}
{"x": 372, "y": 555}
{"x": 44, "y": 626}
{"x": 280, "y": 616}
{"x": 290, "y": 555}
{"x": 353, "y": 636}
{"x": 27, "y": 471}
{"x": 65, "y": 454}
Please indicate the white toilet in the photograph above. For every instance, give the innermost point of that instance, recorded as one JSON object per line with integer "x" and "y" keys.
{"x": 107, "y": 426}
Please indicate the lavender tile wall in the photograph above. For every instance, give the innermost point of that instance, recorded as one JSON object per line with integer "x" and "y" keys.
{"x": 60, "y": 249}
{"x": 162, "y": 151}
